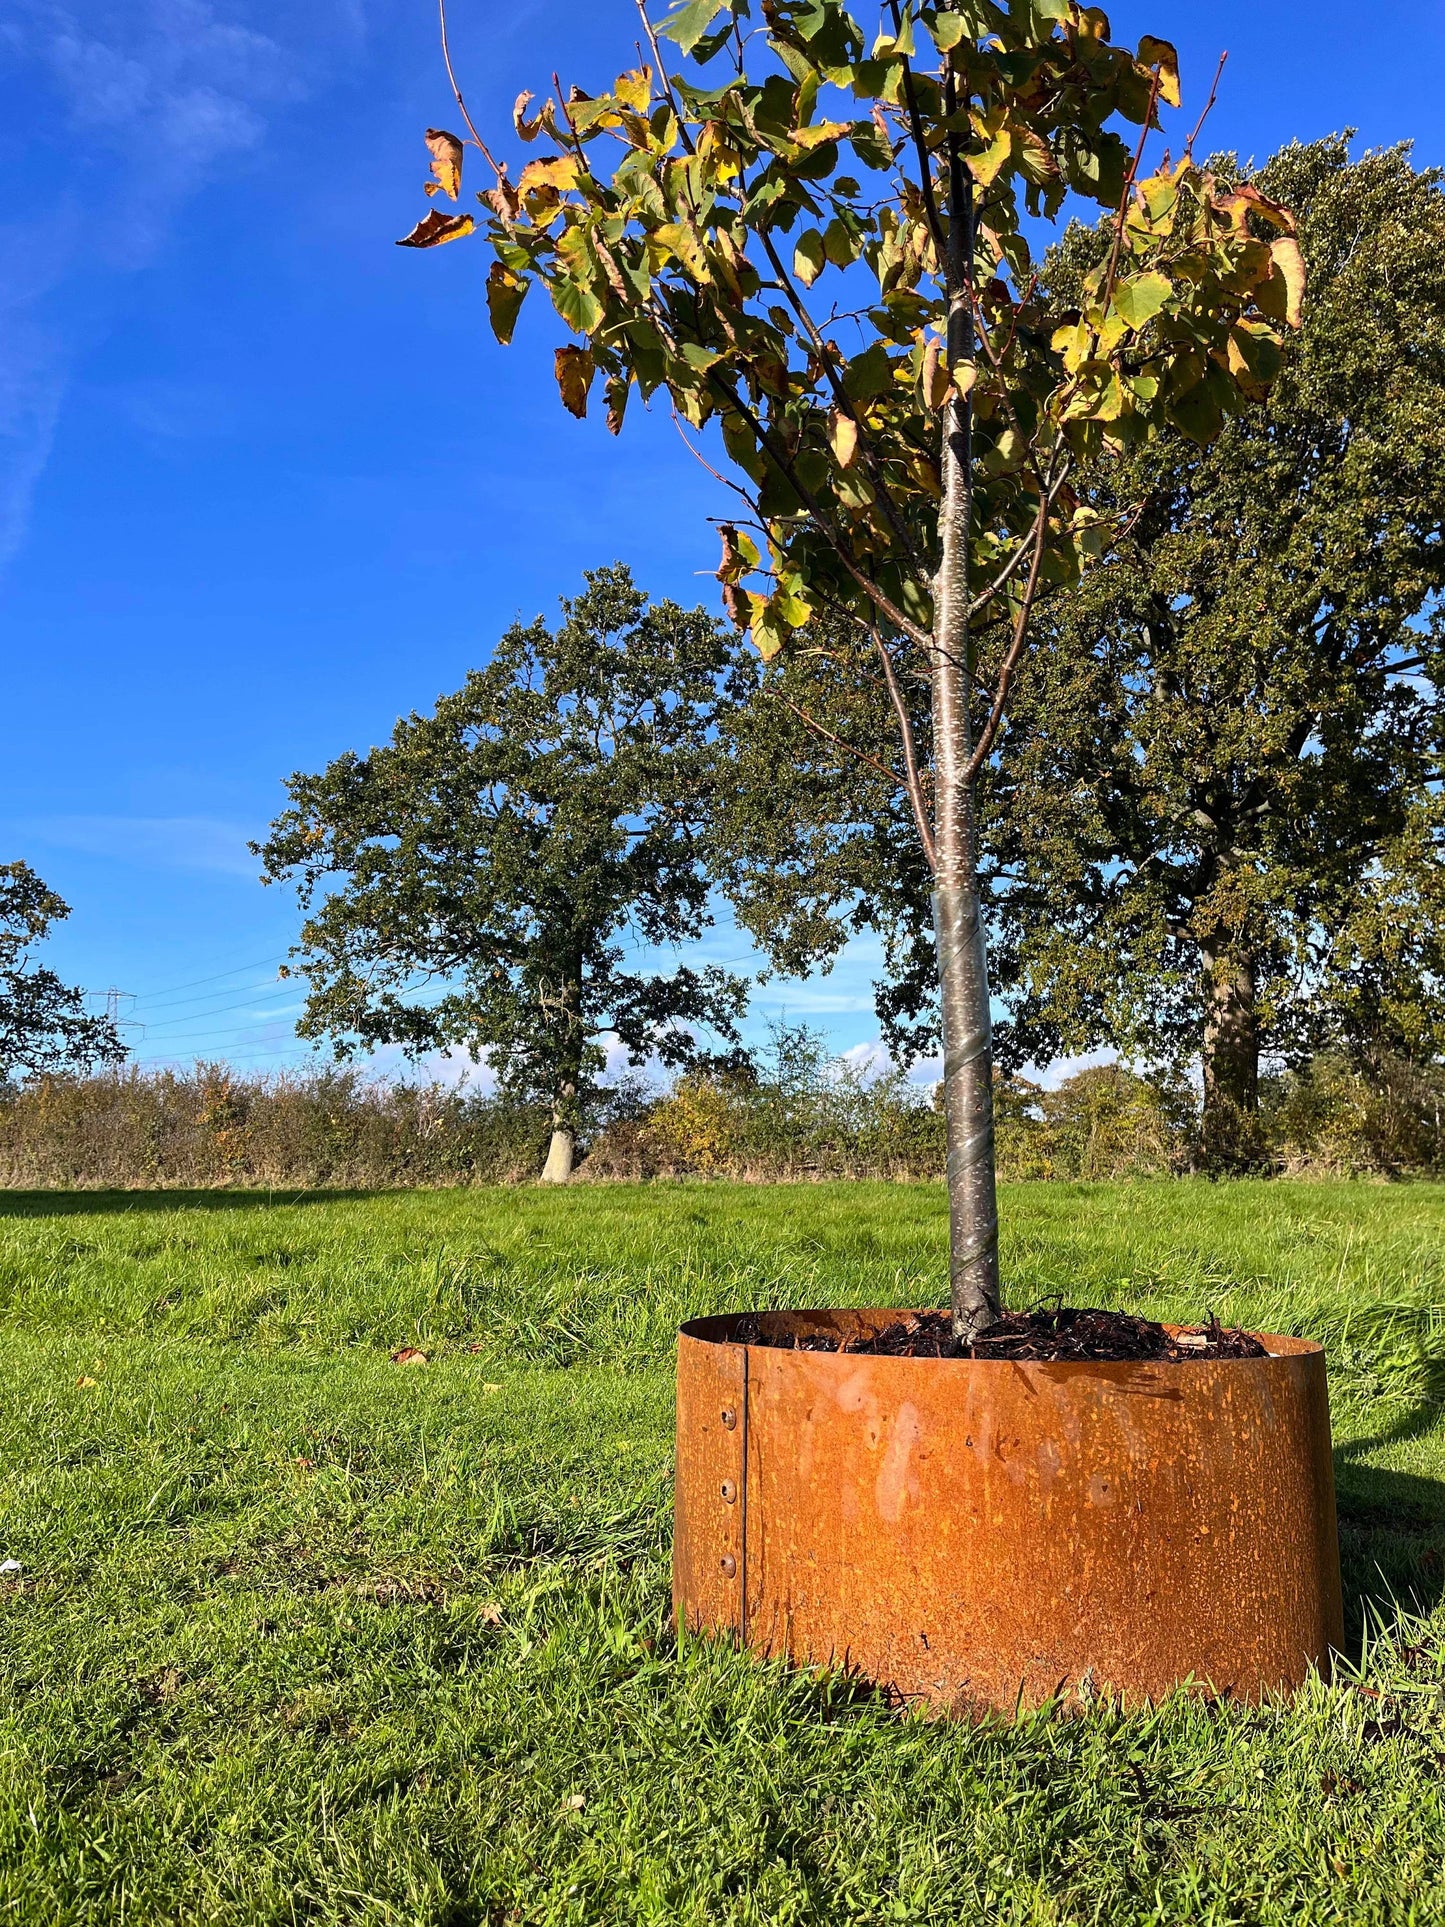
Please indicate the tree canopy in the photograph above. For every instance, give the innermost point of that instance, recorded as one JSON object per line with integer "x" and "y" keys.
{"x": 1221, "y": 762}
{"x": 1216, "y": 826}
{"x": 45, "y": 1028}
{"x": 471, "y": 883}
{"x": 901, "y": 402}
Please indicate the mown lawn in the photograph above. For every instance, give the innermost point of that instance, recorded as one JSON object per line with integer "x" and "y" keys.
{"x": 299, "y": 1635}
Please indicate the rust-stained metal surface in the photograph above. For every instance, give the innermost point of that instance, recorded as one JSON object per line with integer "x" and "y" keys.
{"x": 709, "y": 1560}
{"x": 985, "y": 1532}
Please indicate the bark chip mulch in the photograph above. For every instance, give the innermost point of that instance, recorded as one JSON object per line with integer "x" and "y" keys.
{"x": 1046, "y": 1336}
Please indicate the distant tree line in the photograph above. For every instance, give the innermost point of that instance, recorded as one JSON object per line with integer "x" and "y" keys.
{"x": 795, "y": 1115}
{"x": 1210, "y": 838}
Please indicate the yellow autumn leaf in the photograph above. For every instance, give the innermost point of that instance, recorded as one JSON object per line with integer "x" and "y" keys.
{"x": 1161, "y": 54}
{"x": 435, "y": 228}
{"x": 1291, "y": 265}
{"x": 559, "y": 172}
{"x": 843, "y": 434}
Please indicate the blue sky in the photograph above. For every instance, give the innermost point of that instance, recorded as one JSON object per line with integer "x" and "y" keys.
{"x": 266, "y": 481}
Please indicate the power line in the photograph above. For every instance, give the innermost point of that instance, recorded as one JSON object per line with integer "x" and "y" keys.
{"x": 259, "y": 964}
{"x": 209, "y": 996}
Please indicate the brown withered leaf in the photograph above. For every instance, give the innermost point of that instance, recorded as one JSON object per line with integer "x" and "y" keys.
{"x": 446, "y": 161}
{"x": 574, "y": 369}
{"x": 409, "y": 1355}
{"x": 528, "y": 130}
{"x": 503, "y": 200}
{"x": 434, "y": 228}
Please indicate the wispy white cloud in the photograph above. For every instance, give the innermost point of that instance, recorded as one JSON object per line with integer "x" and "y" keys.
{"x": 158, "y": 842}
{"x": 157, "y": 95}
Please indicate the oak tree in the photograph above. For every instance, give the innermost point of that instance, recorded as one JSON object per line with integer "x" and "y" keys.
{"x": 1216, "y": 828}
{"x": 45, "y": 1028}
{"x": 470, "y": 883}
{"x": 818, "y": 254}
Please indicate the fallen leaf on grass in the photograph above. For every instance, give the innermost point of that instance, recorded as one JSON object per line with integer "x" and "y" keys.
{"x": 490, "y": 1614}
{"x": 575, "y": 1802}
{"x": 487, "y": 1390}
{"x": 85, "y": 1383}
{"x": 408, "y": 1355}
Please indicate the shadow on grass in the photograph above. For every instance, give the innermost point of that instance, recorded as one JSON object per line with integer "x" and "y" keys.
{"x": 1392, "y": 1526}
{"x": 64, "y": 1204}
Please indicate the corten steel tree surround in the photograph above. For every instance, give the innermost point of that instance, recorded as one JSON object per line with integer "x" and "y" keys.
{"x": 978, "y": 1533}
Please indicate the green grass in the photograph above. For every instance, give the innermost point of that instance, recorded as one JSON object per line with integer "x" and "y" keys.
{"x": 302, "y": 1636}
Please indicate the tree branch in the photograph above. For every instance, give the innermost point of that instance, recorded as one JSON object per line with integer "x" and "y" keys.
{"x": 821, "y": 729}
{"x": 842, "y": 399}
{"x": 925, "y": 166}
{"x": 1129, "y": 180}
{"x": 498, "y": 170}
{"x": 1213, "y": 96}
{"x": 913, "y": 783}
{"x": 1010, "y": 661}
{"x": 662, "y": 76}
{"x": 883, "y": 603}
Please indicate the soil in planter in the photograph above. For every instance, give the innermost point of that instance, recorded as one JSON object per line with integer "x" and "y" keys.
{"x": 1045, "y": 1336}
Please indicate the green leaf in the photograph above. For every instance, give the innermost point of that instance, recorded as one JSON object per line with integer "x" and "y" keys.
{"x": 1140, "y": 298}
{"x": 869, "y": 374}
{"x": 578, "y": 306}
{"x": 839, "y": 245}
{"x": 809, "y": 256}
{"x": 688, "y": 23}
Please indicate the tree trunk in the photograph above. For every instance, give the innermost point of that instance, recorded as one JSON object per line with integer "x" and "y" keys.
{"x": 566, "y": 1011}
{"x": 1231, "y": 1058}
{"x": 957, "y": 918}
{"x": 558, "y": 1168}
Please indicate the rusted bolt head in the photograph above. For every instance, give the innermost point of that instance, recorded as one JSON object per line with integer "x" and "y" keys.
{"x": 729, "y": 1491}
{"x": 729, "y": 1417}
{"x": 729, "y": 1566}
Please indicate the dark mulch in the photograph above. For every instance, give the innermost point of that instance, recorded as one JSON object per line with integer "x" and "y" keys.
{"x": 1047, "y": 1336}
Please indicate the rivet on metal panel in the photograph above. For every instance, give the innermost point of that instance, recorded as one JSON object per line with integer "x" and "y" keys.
{"x": 729, "y": 1491}
{"x": 729, "y": 1566}
{"x": 729, "y": 1417}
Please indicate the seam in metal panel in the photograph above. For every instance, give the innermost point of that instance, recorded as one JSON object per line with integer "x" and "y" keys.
{"x": 743, "y": 1505}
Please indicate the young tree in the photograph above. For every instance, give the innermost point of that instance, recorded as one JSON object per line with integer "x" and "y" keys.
{"x": 1217, "y": 826}
{"x": 902, "y": 405}
{"x": 44, "y": 1025}
{"x": 497, "y": 849}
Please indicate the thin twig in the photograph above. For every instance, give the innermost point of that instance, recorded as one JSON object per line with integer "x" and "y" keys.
{"x": 842, "y": 399}
{"x": 913, "y": 782}
{"x": 451, "y": 76}
{"x": 822, "y": 729}
{"x": 662, "y": 76}
{"x": 883, "y": 603}
{"x": 1010, "y": 663}
{"x": 925, "y": 166}
{"x": 1129, "y": 180}
{"x": 1213, "y": 96}
{"x": 698, "y": 456}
